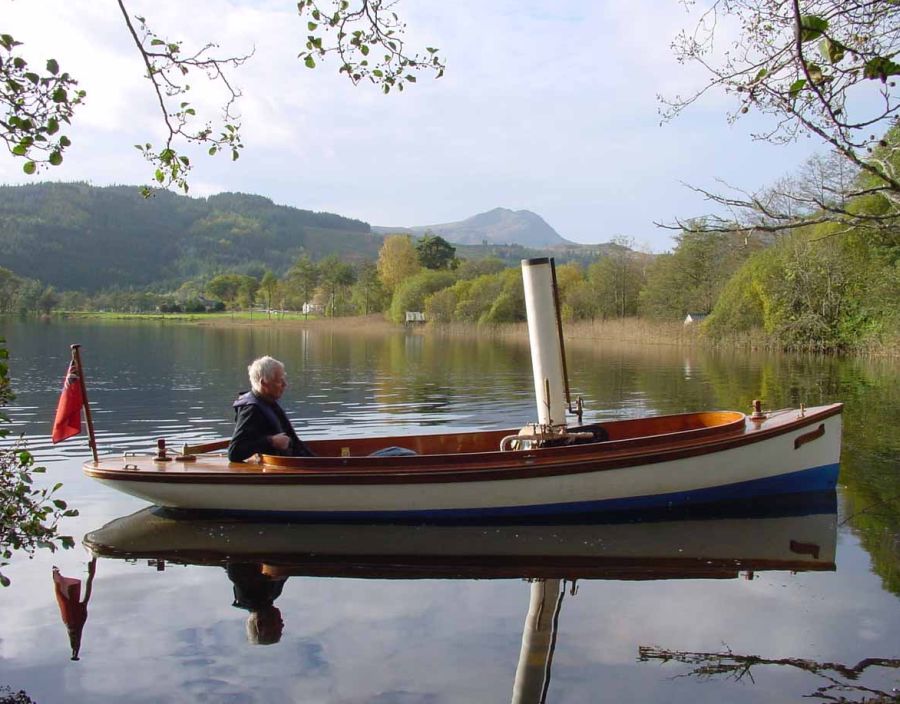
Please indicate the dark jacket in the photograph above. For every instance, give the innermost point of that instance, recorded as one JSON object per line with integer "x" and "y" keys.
{"x": 253, "y": 590}
{"x": 255, "y": 421}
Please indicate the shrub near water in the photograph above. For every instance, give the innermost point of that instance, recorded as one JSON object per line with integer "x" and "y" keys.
{"x": 411, "y": 294}
{"x": 814, "y": 290}
{"x": 29, "y": 516}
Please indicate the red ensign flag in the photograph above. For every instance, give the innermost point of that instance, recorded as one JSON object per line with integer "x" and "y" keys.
{"x": 68, "y": 412}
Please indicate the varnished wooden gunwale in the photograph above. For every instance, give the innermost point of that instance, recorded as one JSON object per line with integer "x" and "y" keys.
{"x": 468, "y": 467}
{"x": 491, "y": 566}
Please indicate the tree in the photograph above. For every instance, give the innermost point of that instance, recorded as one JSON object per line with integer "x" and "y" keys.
{"x": 397, "y": 261}
{"x": 48, "y": 300}
{"x": 29, "y": 516}
{"x": 473, "y": 268}
{"x": 436, "y": 253}
{"x": 246, "y": 292}
{"x": 9, "y": 290}
{"x": 692, "y": 277}
{"x": 268, "y": 288}
{"x": 335, "y": 277}
{"x": 820, "y": 68}
{"x": 34, "y": 106}
{"x": 225, "y": 287}
{"x": 616, "y": 281}
{"x": 413, "y": 293}
{"x": 368, "y": 293}
{"x": 301, "y": 280}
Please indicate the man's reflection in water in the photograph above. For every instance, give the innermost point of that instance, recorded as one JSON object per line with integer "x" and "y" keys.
{"x": 257, "y": 592}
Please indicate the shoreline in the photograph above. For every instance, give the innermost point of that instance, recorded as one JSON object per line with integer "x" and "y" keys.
{"x": 636, "y": 331}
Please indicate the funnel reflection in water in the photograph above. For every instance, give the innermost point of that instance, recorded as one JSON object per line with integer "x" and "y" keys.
{"x": 538, "y": 640}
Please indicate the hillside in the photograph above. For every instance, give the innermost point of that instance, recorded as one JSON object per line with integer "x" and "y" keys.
{"x": 499, "y": 226}
{"x": 79, "y": 237}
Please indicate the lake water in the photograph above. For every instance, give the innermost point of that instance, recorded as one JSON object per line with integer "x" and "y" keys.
{"x": 645, "y": 621}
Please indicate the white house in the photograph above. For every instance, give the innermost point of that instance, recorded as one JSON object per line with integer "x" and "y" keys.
{"x": 691, "y": 318}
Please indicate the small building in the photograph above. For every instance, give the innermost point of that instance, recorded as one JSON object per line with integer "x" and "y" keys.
{"x": 692, "y": 318}
{"x": 314, "y": 308}
{"x": 414, "y": 316}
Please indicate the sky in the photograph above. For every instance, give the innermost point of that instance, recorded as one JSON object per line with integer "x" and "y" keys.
{"x": 545, "y": 106}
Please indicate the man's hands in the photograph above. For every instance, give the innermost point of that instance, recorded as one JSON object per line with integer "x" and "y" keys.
{"x": 280, "y": 442}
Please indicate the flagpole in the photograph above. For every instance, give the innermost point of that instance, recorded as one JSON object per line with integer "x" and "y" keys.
{"x": 92, "y": 441}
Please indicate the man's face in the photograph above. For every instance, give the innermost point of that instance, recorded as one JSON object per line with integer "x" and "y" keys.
{"x": 273, "y": 388}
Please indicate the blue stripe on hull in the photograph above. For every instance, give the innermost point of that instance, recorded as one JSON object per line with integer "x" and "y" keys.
{"x": 817, "y": 479}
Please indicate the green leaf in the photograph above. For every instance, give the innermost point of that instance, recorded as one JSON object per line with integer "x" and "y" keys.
{"x": 29, "y": 167}
{"x": 815, "y": 73}
{"x": 831, "y": 50}
{"x": 55, "y": 158}
{"x": 796, "y": 87}
{"x": 160, "y": 176}
{"x": 52, "y": 126}
{"x": 212, "y": 151}
{"x": 364, "y": 49}
{"x": 64, "y": 142}
{"x": 20, "y": 149}
{"x": 156, "y": 42}
{"x": 311, "y": 26}
{"x": 812, "y": 27}
{"x": 59, "y": 95}
{"x": 310, "y": 62}
{"x": 52, "y": 66}
{"x": 880, "y": 68}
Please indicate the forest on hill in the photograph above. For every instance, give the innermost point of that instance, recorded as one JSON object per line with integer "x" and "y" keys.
{"x": 74, "y": 236}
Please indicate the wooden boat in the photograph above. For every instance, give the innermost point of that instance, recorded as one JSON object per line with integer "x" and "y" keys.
{"x": 546, "y": 467}
{"x": 798, "y": 536}
{"x": 643, "y": 463}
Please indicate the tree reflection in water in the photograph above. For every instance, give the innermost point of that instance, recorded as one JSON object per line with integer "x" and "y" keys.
{"x": 843, "y": 680}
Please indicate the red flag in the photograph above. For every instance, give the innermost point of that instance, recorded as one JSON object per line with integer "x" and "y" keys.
{"x": 68, "y": 412}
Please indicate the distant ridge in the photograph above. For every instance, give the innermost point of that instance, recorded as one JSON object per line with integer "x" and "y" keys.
{"x": 79, "y": 237}
{"x": 498, "y": 226}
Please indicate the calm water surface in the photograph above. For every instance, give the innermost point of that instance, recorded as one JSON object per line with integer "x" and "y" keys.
{"x": 645, "y": 621}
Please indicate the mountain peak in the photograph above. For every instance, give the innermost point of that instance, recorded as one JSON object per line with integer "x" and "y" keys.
{"x": 497, "y": 226}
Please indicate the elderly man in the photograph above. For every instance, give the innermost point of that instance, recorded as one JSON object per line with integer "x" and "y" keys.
{"x": 261, "y": 425}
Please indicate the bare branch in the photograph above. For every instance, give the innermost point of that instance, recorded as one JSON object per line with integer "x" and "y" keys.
{"x": 824, "y": 68}
{"x": 167, "y": 70}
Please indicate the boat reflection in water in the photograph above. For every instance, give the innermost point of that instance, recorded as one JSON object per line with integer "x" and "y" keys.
{"x": 796, "y": 535}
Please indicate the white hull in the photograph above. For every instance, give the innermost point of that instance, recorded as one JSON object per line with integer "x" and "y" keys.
{"x": 770, "y": 465}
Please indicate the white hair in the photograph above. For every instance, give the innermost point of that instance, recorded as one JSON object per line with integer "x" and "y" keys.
{"x": 263, "y": 369}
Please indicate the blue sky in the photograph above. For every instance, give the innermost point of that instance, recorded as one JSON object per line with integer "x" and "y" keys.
{"x": 545, "y": 106}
